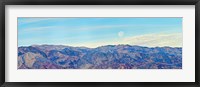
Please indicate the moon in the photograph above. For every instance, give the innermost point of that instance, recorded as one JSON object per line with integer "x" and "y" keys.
{"x": 121, "y": 34}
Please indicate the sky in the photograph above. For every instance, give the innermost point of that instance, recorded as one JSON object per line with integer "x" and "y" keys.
{"x": 94, "y": 32}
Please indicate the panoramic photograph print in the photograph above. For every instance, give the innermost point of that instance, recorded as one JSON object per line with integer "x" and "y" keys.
{"x": 99, "y": 43}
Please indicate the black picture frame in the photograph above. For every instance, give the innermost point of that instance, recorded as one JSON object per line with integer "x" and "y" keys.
{"x": 99, "y": 2}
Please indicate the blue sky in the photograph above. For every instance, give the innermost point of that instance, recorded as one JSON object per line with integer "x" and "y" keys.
{"x": 87, "y": 31}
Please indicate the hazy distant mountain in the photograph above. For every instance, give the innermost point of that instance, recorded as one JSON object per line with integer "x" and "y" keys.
{"x": 104, "y": 57}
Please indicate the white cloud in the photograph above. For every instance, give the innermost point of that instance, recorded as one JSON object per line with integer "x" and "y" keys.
{"x": 102, "y": 27}
{"x": 153, "y": 40}
{"x": 149, "y": 40}
{"x": 39, "y": 29}
{"x": 31, "y": 20}
{"x": 28, "y": 20}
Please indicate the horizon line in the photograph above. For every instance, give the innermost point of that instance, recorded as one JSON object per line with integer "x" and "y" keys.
{"x": 97, "y": 46}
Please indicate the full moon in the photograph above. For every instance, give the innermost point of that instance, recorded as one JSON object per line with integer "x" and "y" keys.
{"x": 120, "y": 34}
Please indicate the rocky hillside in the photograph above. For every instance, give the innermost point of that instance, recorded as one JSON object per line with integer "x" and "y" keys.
{"x": 104, "y": 57}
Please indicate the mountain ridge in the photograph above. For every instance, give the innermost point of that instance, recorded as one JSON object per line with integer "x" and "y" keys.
{"x": 99, "y": 46}
{"x": 103, "y": 57}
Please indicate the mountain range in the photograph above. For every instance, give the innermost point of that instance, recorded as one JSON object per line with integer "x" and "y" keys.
{"x": 103, "y": 57}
